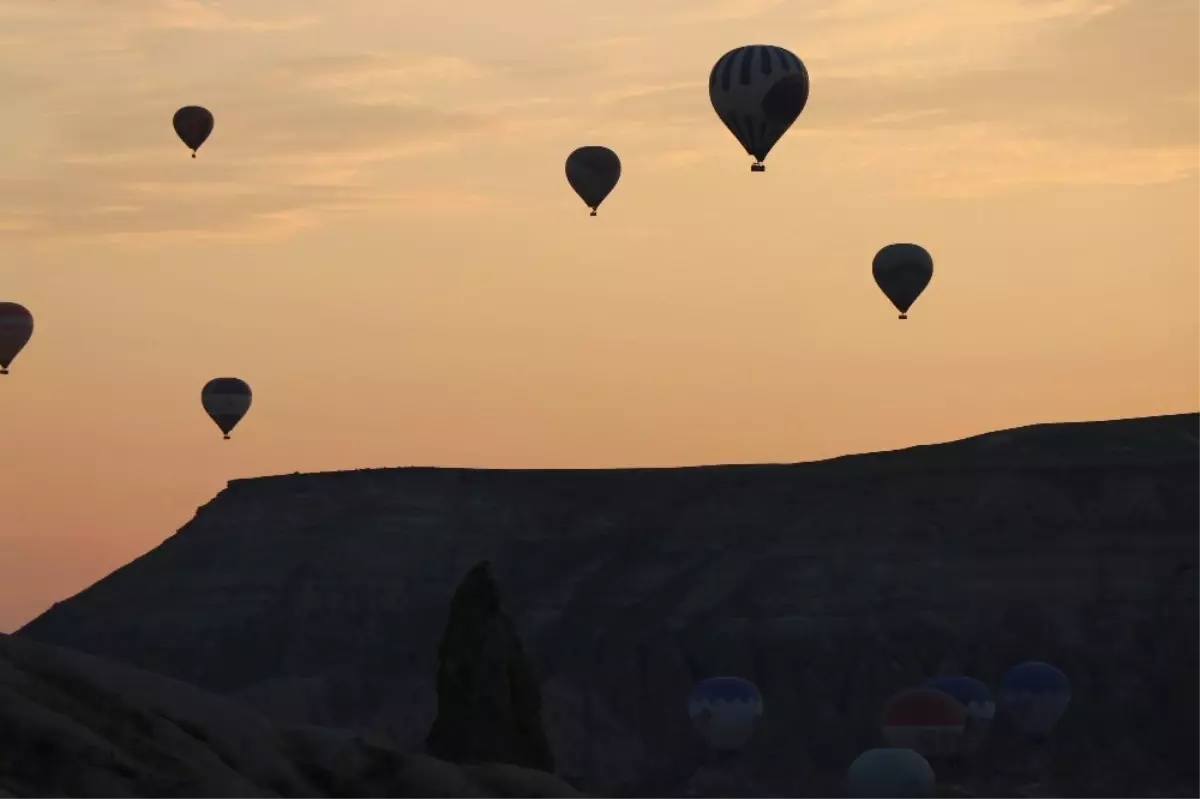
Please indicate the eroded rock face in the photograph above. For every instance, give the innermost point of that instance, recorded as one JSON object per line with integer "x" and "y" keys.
{"x": 323, "y": 598}
{"x": 489, "y": 701}
{"x": 75, "y": 725}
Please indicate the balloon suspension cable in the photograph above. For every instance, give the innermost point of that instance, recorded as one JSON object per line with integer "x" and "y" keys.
{"x": 593, "y": 213}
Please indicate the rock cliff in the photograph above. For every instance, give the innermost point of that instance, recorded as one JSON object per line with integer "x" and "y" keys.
{"x": 489, "y": 700}
{"x": 320, "y": 599}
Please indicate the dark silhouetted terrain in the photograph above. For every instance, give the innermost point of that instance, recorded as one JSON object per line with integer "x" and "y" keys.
{"x": 321, "y": 599}
{"x": 75, "y": 725}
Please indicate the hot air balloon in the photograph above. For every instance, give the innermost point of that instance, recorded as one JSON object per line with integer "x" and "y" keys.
{"x": 226, "y": 400}
{"x": 725, "y": 710}
{"x": 975, "y": 697}
{"x": 16, "y": 327}
{"x": 1034, "y": 696}
{"x": 193, "y": 124}
{"x": 927, "y": 721}
{"x": 758, "y": 91}
{"x": 593, "y": 172}
{"x": 902, "y": 271}
{"x": 890, "y": 772}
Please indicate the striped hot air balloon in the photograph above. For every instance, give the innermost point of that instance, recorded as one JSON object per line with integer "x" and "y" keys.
{"x": 975, "y": 697}
{"x": 925, "y": 720}
{"x": 758, "y": 91}
{"x": 1034, "y": 696}
{"x": 892, "y": 773}
{"x": 16, "y": 328}
{"x": 726, "y": 711}
{"x": 226, "y": 400}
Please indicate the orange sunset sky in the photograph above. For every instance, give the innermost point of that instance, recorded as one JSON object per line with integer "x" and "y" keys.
{"x": 380, "y": 239}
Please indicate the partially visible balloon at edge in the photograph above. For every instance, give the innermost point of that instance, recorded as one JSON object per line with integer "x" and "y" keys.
{"x": 16, "y": 328}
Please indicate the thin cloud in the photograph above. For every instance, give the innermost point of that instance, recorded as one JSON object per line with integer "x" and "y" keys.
{"x": 979, "y": 96}
{"x": 725, "y": 10}
{"x": 115, "y": 15}
{"x": 1063, "y": 110}
{"x": 295, "y": 142}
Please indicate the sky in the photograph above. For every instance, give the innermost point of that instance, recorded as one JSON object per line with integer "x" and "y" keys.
{"x": 380, "y": 239}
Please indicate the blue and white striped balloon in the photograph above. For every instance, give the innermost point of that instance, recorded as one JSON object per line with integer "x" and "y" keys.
{"x": 1035, "y": 695}
{"x": 976, "y": 698}
{"x": 726, "y": 711}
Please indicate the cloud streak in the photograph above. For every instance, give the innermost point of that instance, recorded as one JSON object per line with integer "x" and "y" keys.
{"x": 1071, "y": 107}
{"x": 972, "y": 98}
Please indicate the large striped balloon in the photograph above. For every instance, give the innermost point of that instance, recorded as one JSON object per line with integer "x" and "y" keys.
{"x": 925, "y": 720}
{"x": 16, "y": 328}
{"x": 891, "y": 773}
{"x": 226, "y": 400}
{"x": 758, "y": 91}
{"x": 975, "y": 697}
{"x": 726, "y": 711}
{"x": 1034, "y": 696}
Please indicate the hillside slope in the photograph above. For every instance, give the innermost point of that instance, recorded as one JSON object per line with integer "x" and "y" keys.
{"x": 75, "y": 725}
{"x": 320, "y": 598}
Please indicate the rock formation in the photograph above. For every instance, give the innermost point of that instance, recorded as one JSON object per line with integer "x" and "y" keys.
{"x": 321, "y": 599}
{"x": 489, "y": 702}
{"x": 75, "y": 725}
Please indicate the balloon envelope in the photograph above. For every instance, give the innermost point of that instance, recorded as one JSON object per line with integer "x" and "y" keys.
{"x": 758, "y": 91}
{"x": 902, "y": 271}
{"x": 1035, "y": 695}
{"x": 193, "y": 124}
{"x": 891, "y": 773}
{"x": 16, "y": 328}
{"x": 725, "y": 710}
{"x": 974, "y": 696}
{"x": 593, "y": 172}
{"x": 226, "y": 400}
{"x": 927, "y": 721}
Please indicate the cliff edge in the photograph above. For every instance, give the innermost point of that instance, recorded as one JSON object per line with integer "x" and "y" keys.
{"x": 320, "y": 599}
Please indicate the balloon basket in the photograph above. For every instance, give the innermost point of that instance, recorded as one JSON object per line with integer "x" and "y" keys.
{"x": 758, "y": 167}
{"x": 226, "y": 438}
{"x": 903, "y": 316}
{"x": 593, "y": 213}
{"x": 3, "y": 371}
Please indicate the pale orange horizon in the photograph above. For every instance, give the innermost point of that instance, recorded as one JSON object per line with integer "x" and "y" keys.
{"x": 380, "y": 239}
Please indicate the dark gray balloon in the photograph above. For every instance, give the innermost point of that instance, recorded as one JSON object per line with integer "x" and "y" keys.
{"x": 226, "y": 400}
{"x": 593, "y": 172}
{"x": 902, "y": 271}
{"x": 193, "y": 124}
{"x": 16, "y": 328}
